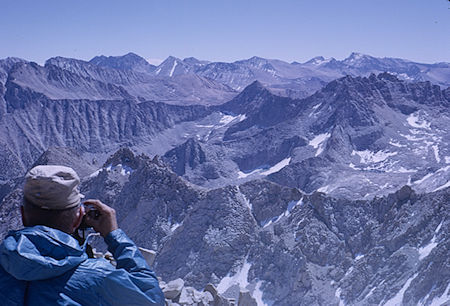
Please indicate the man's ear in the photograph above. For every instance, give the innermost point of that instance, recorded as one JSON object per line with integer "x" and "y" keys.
{"x": 80, "y": 215}
{"x": 24, "y": 218}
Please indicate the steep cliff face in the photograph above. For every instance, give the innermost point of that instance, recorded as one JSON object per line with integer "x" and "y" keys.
{"x": 34, "y": 123}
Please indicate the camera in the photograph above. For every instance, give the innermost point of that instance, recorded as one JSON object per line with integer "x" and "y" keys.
{"x": 92, "y": 212}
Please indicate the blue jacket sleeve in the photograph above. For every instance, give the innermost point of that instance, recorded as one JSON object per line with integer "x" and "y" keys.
{"x": 133, "y": 282}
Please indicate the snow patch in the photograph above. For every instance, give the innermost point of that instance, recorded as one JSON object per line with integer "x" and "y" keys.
{"x": 438, "y": 228}
{"x": 367, "y": 156}
{"x": 257, "y": 294}
{"x": 290, "y": 207}
{"x": 447, "y": 159}
{"x": 404, "y": 170}
{"x": 351, "y": 165}
{"x": 423, "y": 178}
{"x": 277, "y": 167}
{"x": 204, "y": 126}
{"x": 246, "y": 200}
{"x": 314, "y": 108}
{"x": 412, "y": 138}
{"x": 226, "y": 119}
{"x": 240, "y": 278}
{"x": 173, "y": 68}
{"x": 359, "y": 256}
{"x": 349, "y": 271}
{"x": 244, "y": 175}
{"x": 436, "y": 153}
{"x": 96, "y": 173}
{"x": 174, "y": 227}
{"x": 398, "y": 298}
{"x": 268, "y": 222}
{"x": 443, "y": 169}
{"x": 443, "y": 186}
{"x": 445, "y": 297}
{"x": 318, "y": 142}
{"x": 403, "y": 76}
{"x": 426, "y": 250}
{"x": 338, "y": 295}
{"x": 319, "y": 61}
{"x": 396, "y": 144}
{"x": 122, "y": 169}
{"x": 414, "y": 121}
{"x": 325, "y": 189}
{"x": 261, "y": 171}
{"x": 370, "y": 292}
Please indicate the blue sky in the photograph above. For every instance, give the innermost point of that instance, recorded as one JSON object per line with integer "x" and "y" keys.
{"x": 222, "y": 30}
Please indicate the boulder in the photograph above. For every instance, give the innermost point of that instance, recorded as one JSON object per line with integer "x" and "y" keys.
{"x": 173, "y": 289}
{"x": 190, "y": 296}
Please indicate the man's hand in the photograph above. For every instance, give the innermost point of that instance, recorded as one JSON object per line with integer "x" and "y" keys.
{"x": 106, "y": 222}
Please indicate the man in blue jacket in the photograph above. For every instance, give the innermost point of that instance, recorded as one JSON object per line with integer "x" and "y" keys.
{"x": 43, "y": 264}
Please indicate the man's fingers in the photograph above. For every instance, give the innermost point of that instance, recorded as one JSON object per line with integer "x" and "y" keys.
{"x": 106, "y": 220}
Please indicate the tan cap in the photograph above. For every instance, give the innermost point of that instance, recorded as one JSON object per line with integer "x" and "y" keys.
{"x": 52, "y": 187}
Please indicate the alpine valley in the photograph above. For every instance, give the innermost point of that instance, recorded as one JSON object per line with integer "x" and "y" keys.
{"x": 274, "y": 183}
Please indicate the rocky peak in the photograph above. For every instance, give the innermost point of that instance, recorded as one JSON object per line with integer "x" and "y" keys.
{"x": 350, "y": 101}
{"x": 192, "y": 61}
{"x": 364, "y": 89}
{"x": 248, "y": 100}
{"x": 169, "y": 61}
{"x": 129, "y": 61}
{"x": 318, "y": 60}
{"x": 125, "y": 157}
{"x": 172, "y": 66}
{"x": 350, "y": 88}
{"x": 65, "y": 62}
{"x": 255, "y": 61}
{"x": 356, "y": 58}
{"x": 6, "y": 65}
{"x": 189, "y": 154}
{"x": 254, "y": 87}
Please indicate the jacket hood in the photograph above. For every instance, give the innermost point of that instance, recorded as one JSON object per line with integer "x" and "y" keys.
{"x": 40, "y": 252}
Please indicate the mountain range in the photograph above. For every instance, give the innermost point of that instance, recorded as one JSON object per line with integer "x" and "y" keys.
{"x": 324, "y": 182}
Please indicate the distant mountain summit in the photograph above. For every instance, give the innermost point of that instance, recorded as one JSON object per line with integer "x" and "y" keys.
{"x": 129, "y": 61}
{"x": 173, "y": 66}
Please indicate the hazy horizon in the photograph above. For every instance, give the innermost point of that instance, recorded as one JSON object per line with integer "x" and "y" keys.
{"x": 226, "y": 31}
{"x": 156, "y": 62}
